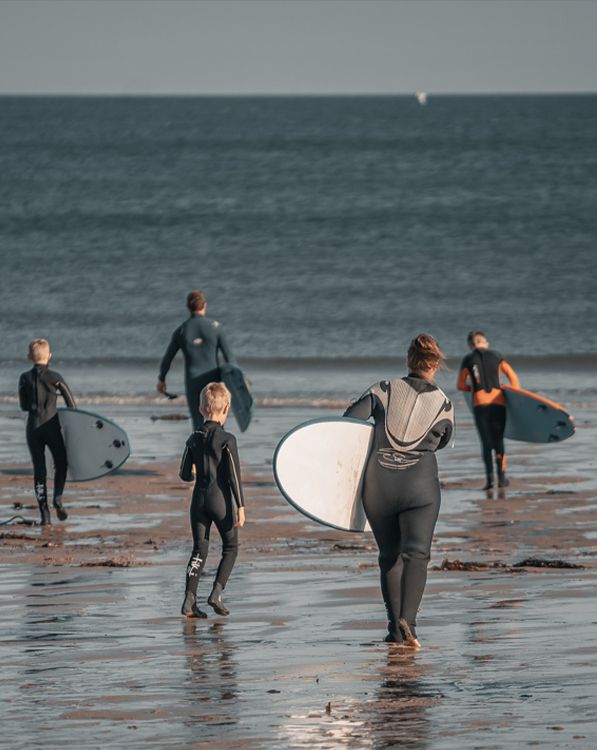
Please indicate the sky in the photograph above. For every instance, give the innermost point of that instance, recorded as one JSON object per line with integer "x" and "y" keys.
{"x": 297, "y": 46}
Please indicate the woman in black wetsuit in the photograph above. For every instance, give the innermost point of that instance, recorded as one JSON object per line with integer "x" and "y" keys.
{"x": 401, "y": 493}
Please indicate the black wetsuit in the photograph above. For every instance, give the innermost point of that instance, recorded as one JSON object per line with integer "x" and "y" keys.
{"x": 200, "y": 339}
{"x": 401, "y": 493}
{"x": 38, "y": 390}
{"x": 217, "y": 496}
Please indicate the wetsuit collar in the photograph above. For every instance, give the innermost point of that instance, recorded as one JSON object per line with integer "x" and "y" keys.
{"x": 418, "y": 377}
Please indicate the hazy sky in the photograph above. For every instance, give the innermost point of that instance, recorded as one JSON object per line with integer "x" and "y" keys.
{"x": 297, "y": 46}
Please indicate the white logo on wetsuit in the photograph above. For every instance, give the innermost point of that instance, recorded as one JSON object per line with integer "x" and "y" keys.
{"x": 198, "y": 341}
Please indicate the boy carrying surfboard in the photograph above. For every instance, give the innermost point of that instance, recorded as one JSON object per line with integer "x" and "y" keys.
{"x": 38, "y": 390}
{"x": 483, "y": 367}
{"x": 211, "y": 458}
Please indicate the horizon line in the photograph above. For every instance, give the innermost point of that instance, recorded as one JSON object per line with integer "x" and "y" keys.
{"x": 273, "y": 95}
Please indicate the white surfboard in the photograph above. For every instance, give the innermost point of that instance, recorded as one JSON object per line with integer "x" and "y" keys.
{"x": 318, "y": 467}
{"x": 95, "y": 446}
{"x": 531, "y": 418}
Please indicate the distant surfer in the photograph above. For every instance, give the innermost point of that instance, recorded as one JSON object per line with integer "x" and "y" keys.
{"x": 38, "y": 389}
{"x": 200, "y": 339}
{"x": 211, "y": 458}
{"x": 401, "y": 493}
{"x": 480, "y": 373}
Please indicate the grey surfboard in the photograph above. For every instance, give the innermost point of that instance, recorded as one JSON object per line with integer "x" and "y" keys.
{"x": 242, "y": 399}
{"x": 95, "y": 446}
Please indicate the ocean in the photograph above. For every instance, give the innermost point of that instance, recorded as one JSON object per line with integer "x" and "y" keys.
{"x": 324, "y": 231}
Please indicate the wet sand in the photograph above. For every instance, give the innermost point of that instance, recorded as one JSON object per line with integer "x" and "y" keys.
{"x": 94, "y": 653}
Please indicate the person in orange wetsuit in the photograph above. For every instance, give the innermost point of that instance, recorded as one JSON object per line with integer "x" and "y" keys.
{"x": 483, "y": 367}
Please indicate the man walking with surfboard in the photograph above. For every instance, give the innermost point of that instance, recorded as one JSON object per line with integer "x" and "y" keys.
{"x": 483, "y": 367}
{"x": 200, "y": 338}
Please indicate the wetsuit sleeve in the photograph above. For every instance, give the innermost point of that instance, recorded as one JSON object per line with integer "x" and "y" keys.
{"x": 463, "y": 376}
{"x": 507, "y": 370}
{"x": 447, "y": 435}
{"x": 65, "y": 392}
{"x": 173, "y": 347}
{"x": 361, "y": 409}
{"x": 231, "y": 453}
{"x": 223, "y": 346}
{"x": 24, "y": 394}
{"x": 186, "y": 465}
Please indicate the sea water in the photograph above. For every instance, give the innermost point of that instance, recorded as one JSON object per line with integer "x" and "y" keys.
{"x": 323, "y": 231}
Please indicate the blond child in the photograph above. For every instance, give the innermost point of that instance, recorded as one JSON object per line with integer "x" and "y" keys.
{"x": 211, "y": 456}
{"x": 38, "y": 389}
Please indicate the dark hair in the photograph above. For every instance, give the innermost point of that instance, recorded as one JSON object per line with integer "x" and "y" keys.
{"x": 471, "y": 336}
{"x": 424, "y": 354}
{"x": 195, "y": 301}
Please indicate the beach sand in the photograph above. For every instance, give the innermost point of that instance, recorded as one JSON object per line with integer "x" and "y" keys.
{"x": 95, "y": 653}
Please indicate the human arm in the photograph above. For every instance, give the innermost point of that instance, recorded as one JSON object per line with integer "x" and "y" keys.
{"x": 236, "y": 488}
{"x": 169, "y": 355}
{"x": 446, "y": 429}
{"x": 65, "y": 392}
{"x": 507, "y": 370}
{"x": 463, "y": 376}
{"x": 186, "y": 465}
{"x": 361, "y": 409}
{"x": 24, "y": 394}
{"x": 223, "y": 346}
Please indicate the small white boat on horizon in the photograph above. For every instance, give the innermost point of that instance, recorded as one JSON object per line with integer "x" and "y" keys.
{"x": 421, "y": 98}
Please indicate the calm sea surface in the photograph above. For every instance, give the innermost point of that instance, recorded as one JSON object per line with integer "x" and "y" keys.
{"x": 324, "y": 227}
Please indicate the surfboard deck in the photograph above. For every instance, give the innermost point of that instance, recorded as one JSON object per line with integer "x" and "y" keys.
{"x": 242, "y": 400}
{"x": 95, "y": 446}
{"x": 318, "y": 467}
{"x": 531, "y": 418}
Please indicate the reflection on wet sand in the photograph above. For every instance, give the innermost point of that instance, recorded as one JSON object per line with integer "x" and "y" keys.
{"x": 211, "y": 673}
{"x": 398, "y": 715}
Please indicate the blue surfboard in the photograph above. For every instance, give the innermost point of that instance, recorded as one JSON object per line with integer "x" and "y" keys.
{"x": 531, "y": 418}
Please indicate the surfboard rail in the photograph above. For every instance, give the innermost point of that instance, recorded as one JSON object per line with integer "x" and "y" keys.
{"x": 536, "y": 396}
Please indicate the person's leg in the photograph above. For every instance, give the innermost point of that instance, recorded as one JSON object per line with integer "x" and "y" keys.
{"x": 387, "y": 536}
{"x": 55, "y": 443}
{"x": 200, "y": 526}
{"x": 482, "y": 421}
{"x": 417, "y": 526}
{"x": 193, "y": 393}
{"x": 382, "y": 517}
{"x": 36, "y": 445}
{"x": 498, "y": 423}
{"x": 229, "y": 537}
{"x": 193, "y": 388}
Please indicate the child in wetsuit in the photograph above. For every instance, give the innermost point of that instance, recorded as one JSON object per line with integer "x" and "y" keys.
{"x": 484, "y": 367}
{"x": 38, "y": 388}
{"x": 217, "y": 497}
